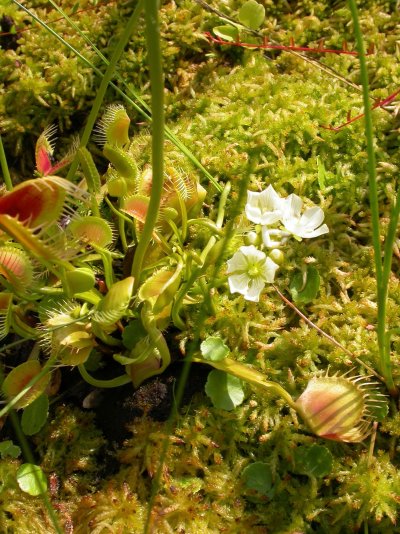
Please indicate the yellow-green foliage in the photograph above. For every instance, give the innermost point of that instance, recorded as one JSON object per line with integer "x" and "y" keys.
{"x": 69, "y": 447}
{"x": 19, "y": 512}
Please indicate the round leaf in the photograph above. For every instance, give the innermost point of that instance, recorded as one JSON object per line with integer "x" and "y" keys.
{"x": 305, "y": 289}
{"x": 314, "y": 461}
{"x": 252, "y": 14}
{"x": 35, "y": 415}
{"x": 31, "y": 479}
{"x": 214, "y": 349}
{"x": 7, "y": 448}
{"x": 224, "y": 390}
{"x": 258, "y": 476}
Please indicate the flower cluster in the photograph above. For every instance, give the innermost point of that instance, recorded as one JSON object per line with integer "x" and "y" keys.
{"x": 278, "y": 219}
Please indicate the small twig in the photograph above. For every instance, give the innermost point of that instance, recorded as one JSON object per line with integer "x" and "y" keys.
{"x": 327, "y": 336}
{"x": 268, "y": 45}
{"x": 313, "y": 61}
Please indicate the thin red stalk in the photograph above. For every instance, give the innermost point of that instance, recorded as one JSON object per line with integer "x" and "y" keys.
{"x": 266, "y": 45}
{"x": 378, "y": 104}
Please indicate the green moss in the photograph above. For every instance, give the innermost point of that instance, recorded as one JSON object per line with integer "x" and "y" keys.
{"x": 69, "y": 448}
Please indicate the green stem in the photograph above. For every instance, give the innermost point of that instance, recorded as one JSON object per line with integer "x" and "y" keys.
{"x": 4, "y": 167}
{"x": 157, "y": 107}
{"x": 111, "y": 383}
{"x": 156, "y": 338}
{"x": 206, "y": 223}
{"x": 246, "y": 373}
{"x": 381, "y": 279}
{"x": 100, "y": 94}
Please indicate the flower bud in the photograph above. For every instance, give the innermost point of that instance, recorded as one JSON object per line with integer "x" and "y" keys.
{"x": 336, "y": 407}
{"x": 252, "y": 238}
{"x": 277, "y": 256}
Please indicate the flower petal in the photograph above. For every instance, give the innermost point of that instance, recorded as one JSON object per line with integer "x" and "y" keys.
{"x": 319, "y": 231}
{"x": 270, "y": 269}
{"x": 255, "y": 287}
{"x": 238, "y": 283}
{"x": 238, "y": 263}
{"x": 264, "y": 207}
{"x": 312, "y": 218}
{"x": 253, "y": 255}
{"x": 292, "y": 207}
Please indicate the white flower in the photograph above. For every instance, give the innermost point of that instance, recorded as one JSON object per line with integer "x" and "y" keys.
{"x": 249, "y": 270}
{"x": 264, "y": 207}
{"x": 274, "y": 238}
{"x": 307, "y": 225}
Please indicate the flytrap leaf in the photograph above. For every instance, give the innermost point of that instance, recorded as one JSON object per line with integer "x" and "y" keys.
{"x": 45, "y": 149}
{"x": 32, "y": 242}
{"x": 66, "y": 337}
{"x": 40, "y": 202}
{"x": 115, "y": 304}
{"x": 5, "y": 313}
{"x": 160, "y": 289}
{"x": 17, "y": 380}
{"x": 136, "y": 206}
{"x": 122, "y": 161}
{"x": 224, "y": 390}
{"x": 16, "y": 267}
{"x": 91, "y": 230}
{"x": 31, "y": 479}
{"x": 113, "y": 127}
{"x": 80, "y": 280}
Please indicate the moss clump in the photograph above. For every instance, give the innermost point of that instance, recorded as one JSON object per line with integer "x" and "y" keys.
{"x": 19, "y": 512}
{"x": 69, "y": 448}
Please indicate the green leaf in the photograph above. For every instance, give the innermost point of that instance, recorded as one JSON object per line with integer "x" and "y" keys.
{"x": 31, "y": 479}
{"x": 252, "y": 14}
{"x": 35, "y": 415}
{"x": 379, "y": 409}
{"x": 7, "y": 448}
{"x": 227, "y": 33}
{"x": 258, "y": 476}
{"x": 214, "y": 349}
{"x": 133, "y": 333}
{"x": 305, "y": 288}
{"x": 224, "y": 390}
{"x": 314, "y": 461}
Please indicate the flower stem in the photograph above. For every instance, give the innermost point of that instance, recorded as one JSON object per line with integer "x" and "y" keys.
{"x": 381, "y": 272}
{"x": 4, "y": 167}
{"x": 157, "y": 111}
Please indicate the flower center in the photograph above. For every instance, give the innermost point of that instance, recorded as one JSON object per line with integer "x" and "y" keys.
{"x": 254, "y": 270}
